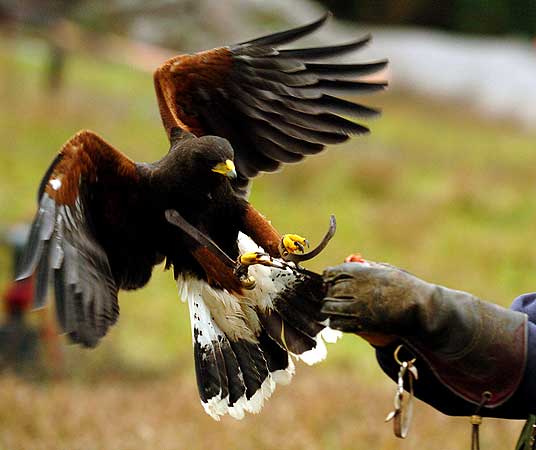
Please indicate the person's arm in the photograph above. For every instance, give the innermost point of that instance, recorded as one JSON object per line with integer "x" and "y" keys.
{"x": 464, "y": 346}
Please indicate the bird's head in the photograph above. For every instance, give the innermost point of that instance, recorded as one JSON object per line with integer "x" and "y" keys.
{"x": 202, "y": 159}
{"x": 212, "y": 159}
{"x": 216, "y": 155}
{"x": 198, "y": 164}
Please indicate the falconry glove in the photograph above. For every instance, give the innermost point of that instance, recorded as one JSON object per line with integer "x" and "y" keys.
{"x": 471, "y": 346}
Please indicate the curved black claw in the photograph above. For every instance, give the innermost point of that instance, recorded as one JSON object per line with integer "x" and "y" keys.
{"x": 300, "y": 257}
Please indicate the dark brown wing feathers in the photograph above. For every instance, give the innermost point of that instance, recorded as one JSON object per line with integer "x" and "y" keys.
{"x": 180, "y": 79}
{"x": 62, "y": 246}
{"x": 274, "y": 106}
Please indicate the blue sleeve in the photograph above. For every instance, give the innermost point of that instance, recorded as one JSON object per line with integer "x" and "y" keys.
{"x": 526, "y": 303}
{"x": 429, "y": 389}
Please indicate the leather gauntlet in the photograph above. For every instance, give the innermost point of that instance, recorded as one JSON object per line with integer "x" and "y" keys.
{"x": 470, "y": 345}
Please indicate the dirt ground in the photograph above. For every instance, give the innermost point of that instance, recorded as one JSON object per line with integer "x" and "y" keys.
{"x": 319, "y": 410}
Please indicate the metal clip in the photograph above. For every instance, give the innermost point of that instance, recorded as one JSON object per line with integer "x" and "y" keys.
{"x": 403, "y": 412}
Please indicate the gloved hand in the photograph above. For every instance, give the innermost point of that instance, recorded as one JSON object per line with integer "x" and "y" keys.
{"x": 471, "y": 346}
{"x": 375, "y": 299}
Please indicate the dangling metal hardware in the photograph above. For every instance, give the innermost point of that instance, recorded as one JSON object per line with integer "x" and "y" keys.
{"x": 476, "y": 421}
{"x": 403, "y": 412}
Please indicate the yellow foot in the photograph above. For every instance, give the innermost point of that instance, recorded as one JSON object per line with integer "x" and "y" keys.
{"x": 251, "y": 258}
{"x": 292, "y": 243}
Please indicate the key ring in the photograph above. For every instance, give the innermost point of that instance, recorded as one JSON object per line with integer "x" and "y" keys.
{"x": 403, "y": 412}
{"x": 397, "y": 359}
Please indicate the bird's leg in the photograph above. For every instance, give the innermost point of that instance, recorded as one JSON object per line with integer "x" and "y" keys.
{"x": 292, "y": 243}
{"x": 252, "y": 258}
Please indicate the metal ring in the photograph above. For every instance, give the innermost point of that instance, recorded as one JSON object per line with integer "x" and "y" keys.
{"x": 395, "y": 355}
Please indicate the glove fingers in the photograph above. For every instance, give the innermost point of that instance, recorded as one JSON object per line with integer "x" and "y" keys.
{"x": 346, "y": 270}
{"x": 343, "y": 288}
{"x": 344, "y": 324}
{"x": 339, "y": 307}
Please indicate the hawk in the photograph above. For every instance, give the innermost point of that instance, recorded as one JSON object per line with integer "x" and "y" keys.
{"x": 104, "y": 221}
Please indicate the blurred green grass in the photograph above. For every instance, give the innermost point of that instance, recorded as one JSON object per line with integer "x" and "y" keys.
{"x": 434, "y": 189}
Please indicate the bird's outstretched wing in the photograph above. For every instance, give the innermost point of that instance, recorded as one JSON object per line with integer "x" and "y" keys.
{"x": 63, "y": 245}
{"x": 274, "y": 106}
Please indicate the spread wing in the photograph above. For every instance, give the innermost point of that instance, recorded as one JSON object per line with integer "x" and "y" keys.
{"x": 63, "y": 246}
{"x": 274, "y": 106}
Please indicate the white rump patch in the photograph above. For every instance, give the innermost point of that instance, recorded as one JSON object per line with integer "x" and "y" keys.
{"x": 223, "y": 307}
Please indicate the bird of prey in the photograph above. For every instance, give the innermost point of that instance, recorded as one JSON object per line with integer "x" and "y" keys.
{"x": 104, "y": 221}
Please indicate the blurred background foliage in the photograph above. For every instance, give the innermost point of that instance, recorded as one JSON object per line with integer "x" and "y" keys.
{"x": 436, "y": 189}
{"x": 497, "y": 17}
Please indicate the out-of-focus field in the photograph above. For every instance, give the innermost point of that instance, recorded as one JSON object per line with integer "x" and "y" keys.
{"x": 434, "y": 189}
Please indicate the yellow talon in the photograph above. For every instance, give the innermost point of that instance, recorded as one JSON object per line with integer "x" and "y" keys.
{"x": 293, "y": 243}
{"x": 250, "y": 258}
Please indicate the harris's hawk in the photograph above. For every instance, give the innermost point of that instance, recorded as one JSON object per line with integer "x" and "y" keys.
{"x": 104, "y": 221}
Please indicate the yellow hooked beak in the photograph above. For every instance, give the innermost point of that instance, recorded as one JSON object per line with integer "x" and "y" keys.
{"x": 226, "y": 168}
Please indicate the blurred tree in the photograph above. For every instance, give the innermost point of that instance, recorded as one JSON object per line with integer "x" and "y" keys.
{"x": 43, "y": 15}
{"x": 468, "y": 16}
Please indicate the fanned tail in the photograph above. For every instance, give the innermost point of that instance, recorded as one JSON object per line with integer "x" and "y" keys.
{"x": 243, "y": 343}
{"x": 288, "y": 304}
{"x": 234, "y": 376}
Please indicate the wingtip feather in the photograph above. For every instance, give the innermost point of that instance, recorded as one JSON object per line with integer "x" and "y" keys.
{"x": 286, "y": 36}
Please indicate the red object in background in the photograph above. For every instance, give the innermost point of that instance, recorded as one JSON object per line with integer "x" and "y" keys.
{"x": 354, "y": 257}
{"x": 19, "y": 296}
